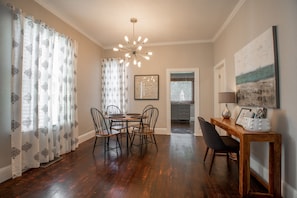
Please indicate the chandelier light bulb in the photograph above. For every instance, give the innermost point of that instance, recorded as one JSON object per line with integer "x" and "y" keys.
{"x": 116, "y": 49}
{"x": 150, "y": 53}
{"x": 121, "y": 46}
{"x": 126, "y": 39}
{"x": 139, "y": 48}
{"x": 139, "y": 39}
{"x": 145, "y": 40}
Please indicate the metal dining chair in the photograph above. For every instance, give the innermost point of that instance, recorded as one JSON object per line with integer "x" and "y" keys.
{"x": 144, "y": 120}
{"x": 146, "y": 130}
{"x": 115, "y": 124}
{"x": 103, "y": 130}
{"x": 219, "y": 144}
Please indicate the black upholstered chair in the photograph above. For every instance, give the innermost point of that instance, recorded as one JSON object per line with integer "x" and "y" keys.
{"x": 219, "y": 144}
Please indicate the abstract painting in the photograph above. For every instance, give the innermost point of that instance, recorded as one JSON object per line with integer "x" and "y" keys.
{"x": 256, "y": 72}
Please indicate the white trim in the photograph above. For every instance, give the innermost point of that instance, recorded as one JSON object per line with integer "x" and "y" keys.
{"x": 86, "y": 136}
{"x": 63, "y": 18}
{"x": 229, "y": 19}
{"x": 5, "y": 173}
{"x": 217, "y": 67}
{"x": 162, "y": 131}
{"x": 286, "y": 189}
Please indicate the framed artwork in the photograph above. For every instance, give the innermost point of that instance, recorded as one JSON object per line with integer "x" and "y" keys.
{"x": 146, "y": 87}
{"x": 256, "y": 72}
{"x": 244, "y": 112}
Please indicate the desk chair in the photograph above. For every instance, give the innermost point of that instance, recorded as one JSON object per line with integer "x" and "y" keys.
{"x": 219, "y": 144}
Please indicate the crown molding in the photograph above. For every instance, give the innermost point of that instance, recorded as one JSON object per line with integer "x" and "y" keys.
{"x": 223, "y": 27}
{"x": 229, "y": 19}
{"x": 63, "y": 18}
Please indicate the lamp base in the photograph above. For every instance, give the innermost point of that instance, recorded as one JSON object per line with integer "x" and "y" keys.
{"x": 226, "y": 114}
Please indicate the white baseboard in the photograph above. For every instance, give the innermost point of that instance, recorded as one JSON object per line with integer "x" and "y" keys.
{"x": 5, "y": 173}
{"x": 259, "y": 169}
{"x": 162, "y": 131}
{"x": 86, "y": 136}
{"x": 286, "y": 189}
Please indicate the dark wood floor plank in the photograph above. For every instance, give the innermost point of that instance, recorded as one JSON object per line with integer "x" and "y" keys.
{"x": 175, "y": 170}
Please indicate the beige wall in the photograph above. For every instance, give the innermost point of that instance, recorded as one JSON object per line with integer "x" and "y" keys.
{"x": 254, "y": 18}
{"x": 5, "y": 43}
{"x": 173, "y": 57}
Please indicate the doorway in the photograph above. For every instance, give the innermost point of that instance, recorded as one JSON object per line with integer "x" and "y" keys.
{"x": 190, "y": 108}
{"x": 182, "y": 91}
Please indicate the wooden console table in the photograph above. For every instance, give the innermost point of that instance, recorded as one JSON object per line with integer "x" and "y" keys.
{"x": 246, "y": 137}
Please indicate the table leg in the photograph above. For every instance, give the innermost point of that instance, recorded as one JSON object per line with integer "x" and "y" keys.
{"x": 127, "y": 137}
{"x": 244, "y": 167}
{"x": 274, "y": 168}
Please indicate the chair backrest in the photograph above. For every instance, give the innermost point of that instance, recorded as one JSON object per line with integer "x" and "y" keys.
{"x": 146, "y": 120}
{"x": 147, "y": 107}
{"x": 113, "y": 109}
{"x": 150, "y": 117}
{"x": 99, "y": 122}
{"x": 211, "y": 137}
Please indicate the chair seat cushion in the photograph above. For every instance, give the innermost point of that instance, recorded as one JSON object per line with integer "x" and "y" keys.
{"x": 231, "y": 143}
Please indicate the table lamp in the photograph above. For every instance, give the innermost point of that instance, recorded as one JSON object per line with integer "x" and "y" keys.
{"x": 226, "y": 97}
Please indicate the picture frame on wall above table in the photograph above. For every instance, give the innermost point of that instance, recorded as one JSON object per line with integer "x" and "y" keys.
{"x": 146, "y": 87}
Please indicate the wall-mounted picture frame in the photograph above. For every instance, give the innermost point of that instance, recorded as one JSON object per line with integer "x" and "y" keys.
{"x": 244, "y": 112}
{"x": 256, "y": 71}
{"x": 146, "y": 87}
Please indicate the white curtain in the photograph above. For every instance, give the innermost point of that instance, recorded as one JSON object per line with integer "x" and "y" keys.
{"x": 114, "y": 84}
{"x": 44, "y": 111}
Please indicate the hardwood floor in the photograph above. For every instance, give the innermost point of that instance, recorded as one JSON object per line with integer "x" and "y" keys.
{"x": 175, "y": 170}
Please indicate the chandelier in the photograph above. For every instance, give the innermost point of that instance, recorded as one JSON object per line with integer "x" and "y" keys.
{"x": 133, "y": 49}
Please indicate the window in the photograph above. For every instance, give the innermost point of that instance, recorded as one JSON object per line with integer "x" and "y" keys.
{"x": 182, "y": 88}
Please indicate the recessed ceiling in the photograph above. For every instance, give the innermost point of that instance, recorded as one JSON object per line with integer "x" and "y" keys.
{"x": 106, "y": 22}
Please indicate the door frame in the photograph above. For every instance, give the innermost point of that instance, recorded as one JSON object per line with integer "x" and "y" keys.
{"x": 221, "y": 69}
{"x": 196, "y": 97}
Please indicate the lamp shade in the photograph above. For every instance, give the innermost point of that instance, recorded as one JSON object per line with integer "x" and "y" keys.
{"x": 227, "y": 97}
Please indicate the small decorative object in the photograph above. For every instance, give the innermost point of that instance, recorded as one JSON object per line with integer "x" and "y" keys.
{"x": 261, "y": 113}
{"x": 256, "y": 124}
{"x": 146, "y": 87}
{"x": 226, "y": 97}
{"x": 244, "y": 112}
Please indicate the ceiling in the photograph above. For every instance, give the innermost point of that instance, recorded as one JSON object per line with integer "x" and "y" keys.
{"x": 164, "y": 22}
